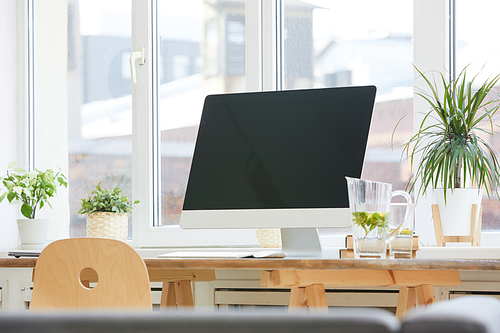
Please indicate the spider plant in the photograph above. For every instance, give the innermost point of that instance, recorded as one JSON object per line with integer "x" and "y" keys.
{"x": 449, "y": 138}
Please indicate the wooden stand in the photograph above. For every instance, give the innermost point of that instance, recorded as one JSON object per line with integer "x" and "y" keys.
{"x": 475, "y": 228}
{"x": 308, "y": 285}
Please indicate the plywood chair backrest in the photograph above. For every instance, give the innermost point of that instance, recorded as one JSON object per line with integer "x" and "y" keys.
{"x": 122, "y": 276}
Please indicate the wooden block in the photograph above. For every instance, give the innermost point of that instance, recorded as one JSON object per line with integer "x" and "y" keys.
{"x": 476, "y": 225}
{"x": 316, "y": 298}
{"x": 168, "y": 296}
{"x": 270, "y": 278}
{"x": 456, "y": 239}
{"x": 437, "y": 226}
{"x": 425, "y": 294}
{"x": 331, "y": 278}
{"x": 298, "y": 298}
{"x": 350, "y": 245}
{"x": 172, "y": 275}
{"x": 183, "y": 293}
{"x": 414, "y": 278}
{"x": 406, "y": 301}
{"x": 349, "y": 254}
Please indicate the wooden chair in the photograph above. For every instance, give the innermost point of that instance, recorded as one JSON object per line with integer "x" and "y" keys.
{"x": 65, "y": 268}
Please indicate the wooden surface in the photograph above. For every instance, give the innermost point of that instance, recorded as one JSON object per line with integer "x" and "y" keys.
{"x": 296, "y": 264}
{"x": 338, "y": 278}
{"x": 122, "y": 278}
{"x": 359, "y": 278}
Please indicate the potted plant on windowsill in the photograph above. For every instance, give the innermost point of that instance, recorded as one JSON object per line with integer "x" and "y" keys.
{"x": 32, "y": 189}
{"x": 454, "y": 152}
{"x": 107, "y": 213}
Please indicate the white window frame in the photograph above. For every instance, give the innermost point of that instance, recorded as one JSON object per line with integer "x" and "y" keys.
{"x": 145, "y": 166}
{"x": 431, "y": 51}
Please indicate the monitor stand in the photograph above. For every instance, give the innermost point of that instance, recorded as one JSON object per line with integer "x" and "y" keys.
{"x": 300, "y": 242}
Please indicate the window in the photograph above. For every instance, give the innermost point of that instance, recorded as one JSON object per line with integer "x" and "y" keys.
{"x": 93, "y": 123}
{"x": 324, "y": 47}
{"x": 202, "y": 51}
{"x": 474, "y": 48}
{"x": 83, "y": 98}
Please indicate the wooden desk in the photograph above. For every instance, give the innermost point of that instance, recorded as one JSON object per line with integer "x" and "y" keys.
{"x": 307, "y": 278}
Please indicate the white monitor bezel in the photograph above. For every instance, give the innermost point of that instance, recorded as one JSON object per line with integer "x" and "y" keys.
{"x": 266, "y": 218}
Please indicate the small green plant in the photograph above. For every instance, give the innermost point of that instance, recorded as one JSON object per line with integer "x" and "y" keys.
{"x": 370, "y": 221}
{"x": 102, "y": 200}
{"x": 32, "y": 188}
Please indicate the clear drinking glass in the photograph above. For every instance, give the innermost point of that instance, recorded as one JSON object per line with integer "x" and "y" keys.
{"x": 401, "y": 246}
{"x": 370, "y": 203}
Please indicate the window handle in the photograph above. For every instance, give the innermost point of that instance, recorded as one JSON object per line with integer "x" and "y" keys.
{"x": 137, "y": 55}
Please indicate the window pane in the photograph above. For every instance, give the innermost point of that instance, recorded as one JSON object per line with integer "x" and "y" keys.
{"x": 202, "y": 51}
{"x": 99, "y": 101}
{"x": 344, "y": 43}
{"x": 475, "y": 33}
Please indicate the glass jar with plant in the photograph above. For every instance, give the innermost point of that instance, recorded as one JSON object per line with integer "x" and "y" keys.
{"x": 107, "y": 213}
{"x": 33, "y": 189}
{"x": 450, "y": 148}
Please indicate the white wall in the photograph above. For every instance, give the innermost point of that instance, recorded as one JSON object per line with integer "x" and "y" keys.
{"x": 9, "y": 62}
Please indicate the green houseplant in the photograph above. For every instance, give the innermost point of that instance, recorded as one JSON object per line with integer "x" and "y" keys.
{"x": 107, "y": 213}
{"x": 33, "y": 189}
{"x": 451, "y": 143}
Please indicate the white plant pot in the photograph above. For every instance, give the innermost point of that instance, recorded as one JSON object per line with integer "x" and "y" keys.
{"x": 455, "y": 215}
{"x": 33, "y": 233}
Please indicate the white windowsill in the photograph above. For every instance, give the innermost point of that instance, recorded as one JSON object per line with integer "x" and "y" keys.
{"x": 430, "y": 252}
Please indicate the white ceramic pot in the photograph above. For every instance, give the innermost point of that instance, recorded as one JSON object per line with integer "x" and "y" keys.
{"x": 33, "y": 233}
{"x": 455, "y": 215}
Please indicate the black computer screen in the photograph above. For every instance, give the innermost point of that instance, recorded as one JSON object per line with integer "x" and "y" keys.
{"x": 281, "y": 149}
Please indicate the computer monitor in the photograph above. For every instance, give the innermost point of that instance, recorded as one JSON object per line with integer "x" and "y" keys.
{"x": 278, "y": 160}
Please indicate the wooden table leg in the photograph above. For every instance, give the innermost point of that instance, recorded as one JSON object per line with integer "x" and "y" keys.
{"x": 183, "y": 293}
{"x": 167, "y": 295}
{"x": 406, "y": 301}
{"x": 425, "y": 294}
{"x": 316, "y": 297}
{"x": 298, "y": 298}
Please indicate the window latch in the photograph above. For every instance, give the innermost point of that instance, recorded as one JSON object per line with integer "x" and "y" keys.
{"x": 139, "y": 57}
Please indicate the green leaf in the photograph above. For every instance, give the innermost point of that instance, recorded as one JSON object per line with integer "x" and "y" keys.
{"x": 26, "y": 210}
{"x": 11, "y": 196}
{"x": 103, "y": 200}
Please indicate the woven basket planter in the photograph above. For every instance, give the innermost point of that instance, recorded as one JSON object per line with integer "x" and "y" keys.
{"x": 268, "y": 238}
{"x": 108, "y": 225}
